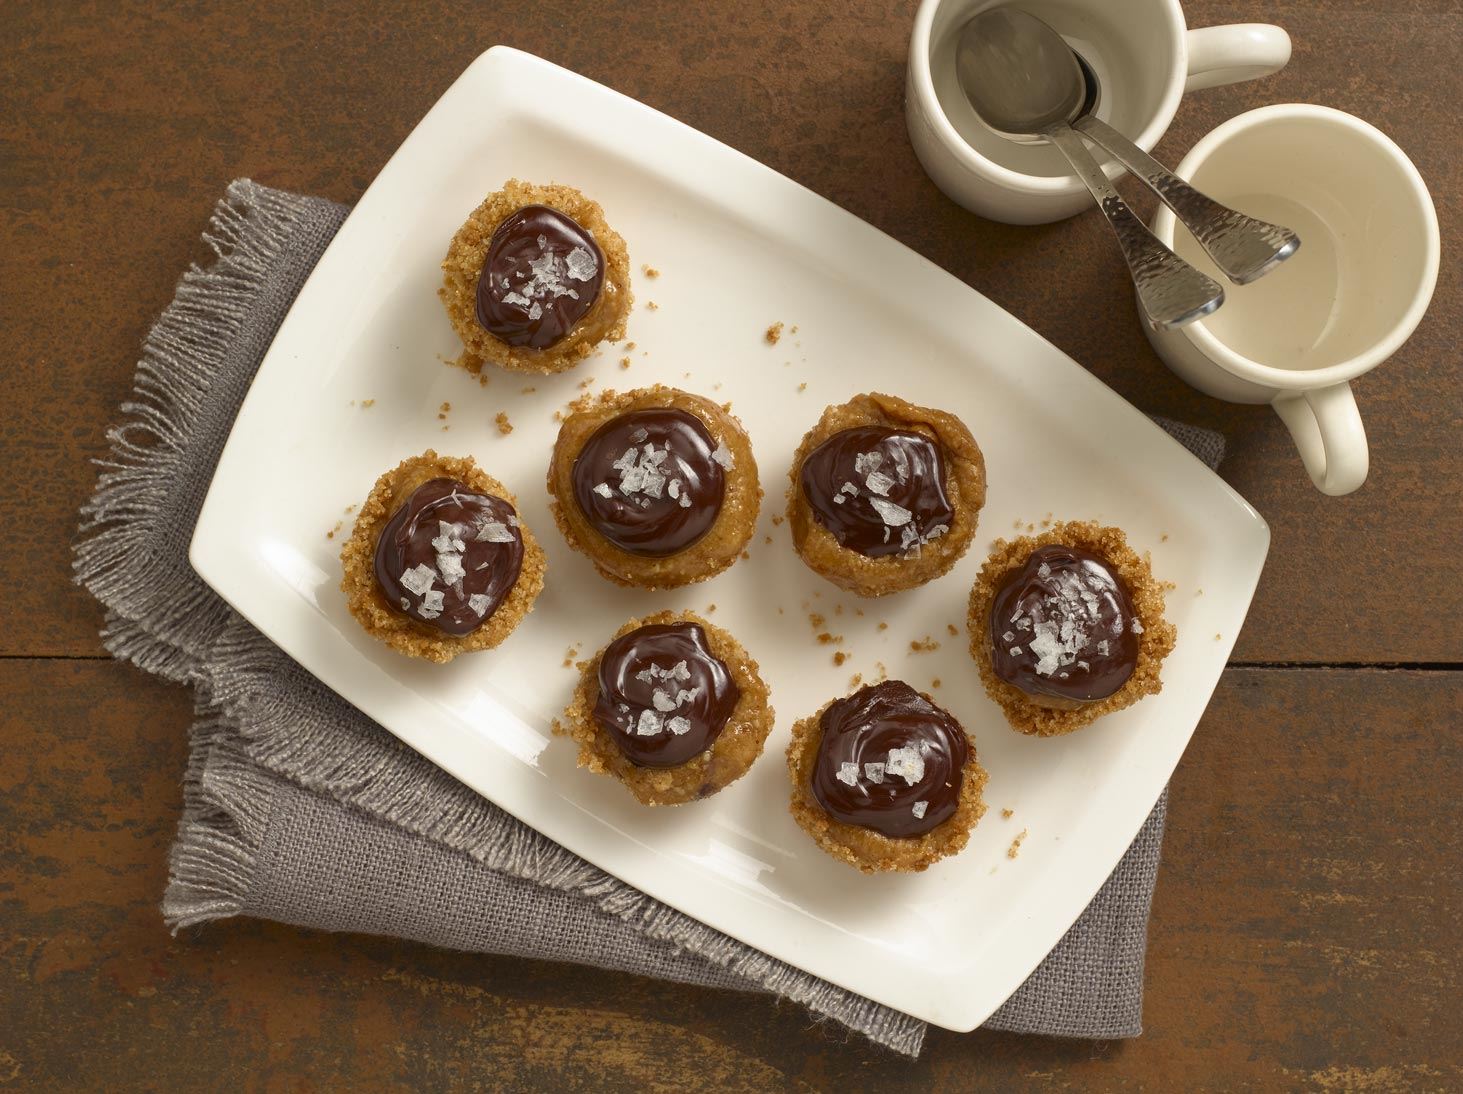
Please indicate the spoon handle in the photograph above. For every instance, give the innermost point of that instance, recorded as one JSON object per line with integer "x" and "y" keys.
{"x": 1171, "y": 291}
{"x": 1243, "y": 247}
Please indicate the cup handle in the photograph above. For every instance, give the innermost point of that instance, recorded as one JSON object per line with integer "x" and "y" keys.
{"x": 1327, "y": 429}
{"x": 1230, "y": 54}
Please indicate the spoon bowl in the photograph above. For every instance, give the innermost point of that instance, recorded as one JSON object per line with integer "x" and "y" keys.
{"x": 1025, "y": 82}
{"x": 1021, "y": 83}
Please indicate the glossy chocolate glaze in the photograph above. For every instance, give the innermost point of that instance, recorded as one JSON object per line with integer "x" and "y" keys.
{"x": 862, "y": 730}
{"x": 664, "y": 697}
{"x": 878, "y": 491}
{"x": 651, "y": 481}
{"x": 449, "y": 556}
{"x": 542, "y": 274}
{"x": 1063, "y": 626}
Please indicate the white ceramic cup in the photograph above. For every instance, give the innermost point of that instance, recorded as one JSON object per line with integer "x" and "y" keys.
{"x": 1145, "y": 59}
{"x": 1343, "y": 304}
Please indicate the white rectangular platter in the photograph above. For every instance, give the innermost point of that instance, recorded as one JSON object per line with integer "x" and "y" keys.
{"x": 738, "y": 247}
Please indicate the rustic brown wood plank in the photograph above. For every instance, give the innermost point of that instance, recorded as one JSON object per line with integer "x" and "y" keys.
{"x": 1305, "y": 929}
{"x": 1307, "y": 915}
{"x": 121, "y": 123}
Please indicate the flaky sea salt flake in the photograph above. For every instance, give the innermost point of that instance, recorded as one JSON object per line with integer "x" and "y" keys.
{"x": 907, "y": 763}
{"x": 879, "y": 483}
{"x": 449, "y": 564}
{"x": 894, "y": 516}
{"x": 632, "y": 480}
{"x": 447, "y": 538}
{"x": 848, "y": 773}
{"x": 580, "y": 264}
{"x": 1047, "y": 648}
{"x": 418, "y": 579}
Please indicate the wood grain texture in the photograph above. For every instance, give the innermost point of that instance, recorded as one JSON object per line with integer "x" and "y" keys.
{"x": 1306, "y": 922}
{"x": 121, "y": 123}
{"x": 1305, "y": 929}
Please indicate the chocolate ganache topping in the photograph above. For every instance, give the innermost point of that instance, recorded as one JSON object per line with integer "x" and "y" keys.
{"x": 878, "y": 491}
{"x": 889, "y": 760}
{"x": 449, "y": 556}
{"x": 651, "y": 481}
{"x": 1063, "y": 626}
{"x": 664, "y": 697}
{"x": 542, "y": 274}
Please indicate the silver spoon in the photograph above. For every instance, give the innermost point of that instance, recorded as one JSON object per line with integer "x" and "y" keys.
{"x": 1023, "y": 80}
{"x": 1243, "y": 247}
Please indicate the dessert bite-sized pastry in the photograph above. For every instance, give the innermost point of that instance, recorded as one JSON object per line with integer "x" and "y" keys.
{"x": 884, "y": 494}
{"x": 673, "y": 707}
{"x": 1067, "y": 626}
{"x": 657, "y": 487}
{"x": 884, "y": 779}
{"x": 535, "y": 279}
{"x": 439, "y": 562}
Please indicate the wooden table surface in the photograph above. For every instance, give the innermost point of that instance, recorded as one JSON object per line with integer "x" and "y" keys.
{"x": 1307, "y": 921}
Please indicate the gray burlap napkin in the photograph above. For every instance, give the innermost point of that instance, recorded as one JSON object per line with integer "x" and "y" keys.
{"x": 299, "y": 809}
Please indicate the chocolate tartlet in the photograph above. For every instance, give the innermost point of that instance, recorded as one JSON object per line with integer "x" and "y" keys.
{"x": 673, "y": 707}
{"x": 657, "y": 487}
{"x": 884, "y": 779}
{"x": 439, "y": 562}
{"x": 1067, "y": 626}
{"x": 535, "y": 279}
{"x": 884, "y": 495}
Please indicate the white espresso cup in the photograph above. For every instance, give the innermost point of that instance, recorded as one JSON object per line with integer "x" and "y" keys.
{"x": 1340, "y": 306}
{"x": 1144, "y": 57}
